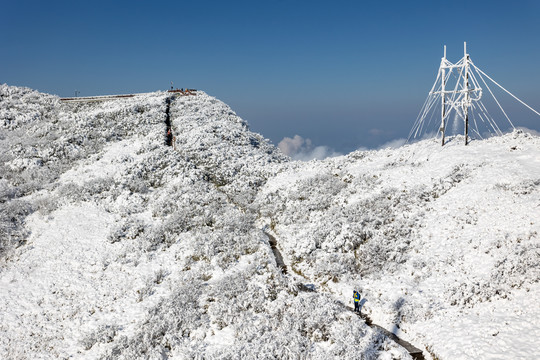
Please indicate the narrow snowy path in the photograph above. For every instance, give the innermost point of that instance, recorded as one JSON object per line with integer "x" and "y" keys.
{"x": 415, "y": 353}
{"x": 277, "y": 253}
{"x": 168, "y": 130}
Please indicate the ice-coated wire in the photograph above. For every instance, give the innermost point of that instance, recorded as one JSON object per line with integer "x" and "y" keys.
{"x": 433, "y": 101}
{"x": 431, "y": 117}
{"x": 474, "y": 120}
{"x": 487, "y": 127}
{"x": 473, "y": 116}
{"x": 481, "y": 118}
{"x": 476, "y": 85}
{"x": 421, "y": 114}
{"x": 426, "y": 108}
{"x": 421, "y": 124}
{"x": 478, "y": 91}
{"x": 530, "y": 108}
{"x": 477, "y": 133}
{"x": 500, "y": 107}
{"x": 491, "y": 120}
{"x": 455, "y": 92}
{"x": 437, "y": 79}
{"x": 477, "y": 108}
{"x": 418, "y": 119}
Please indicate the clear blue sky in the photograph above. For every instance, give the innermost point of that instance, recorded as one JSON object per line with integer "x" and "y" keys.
{"x": 345, "y": 74}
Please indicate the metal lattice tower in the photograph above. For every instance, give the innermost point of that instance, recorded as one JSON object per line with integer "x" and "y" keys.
{"x": 457, "y": 89}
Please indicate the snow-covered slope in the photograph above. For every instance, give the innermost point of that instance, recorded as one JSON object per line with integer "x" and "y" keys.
{"x": 443, "y": 241}
{"x": 114, "y": 245}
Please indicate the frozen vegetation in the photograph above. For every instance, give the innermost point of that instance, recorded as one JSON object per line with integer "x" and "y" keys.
{"x": 116, "y": 246}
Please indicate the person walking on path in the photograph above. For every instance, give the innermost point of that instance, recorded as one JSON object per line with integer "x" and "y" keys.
{"x": 356, "y": 297}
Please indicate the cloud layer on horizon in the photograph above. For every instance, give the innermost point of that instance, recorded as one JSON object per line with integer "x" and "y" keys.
{"x": 302, "y": 149}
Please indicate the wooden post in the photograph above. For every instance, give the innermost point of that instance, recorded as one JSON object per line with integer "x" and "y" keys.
{"x": 466, "y": 107}
{"x": 443, "y": 97}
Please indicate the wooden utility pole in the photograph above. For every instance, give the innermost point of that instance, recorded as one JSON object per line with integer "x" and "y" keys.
{"x": 467, "y": 95}
{"x": 443, "y": 97}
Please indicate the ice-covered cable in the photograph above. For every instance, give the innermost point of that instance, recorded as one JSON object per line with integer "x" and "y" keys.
{"x": 491, "y": 120}
{"x": 418, "y": 118}
{"x": 500, "y": 107}
{"x": 423, "y": 110}
{"x": 474, "y": 121}
{"x": 509, "y": 93}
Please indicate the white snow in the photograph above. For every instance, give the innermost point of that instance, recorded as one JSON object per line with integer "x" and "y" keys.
{"x": 457, "y": 227}
{"x": 114, "y": 245}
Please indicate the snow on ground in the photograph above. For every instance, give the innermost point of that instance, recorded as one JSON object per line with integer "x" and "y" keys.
{"x": 114, "y": 245}
{"x": 63, "y": 260}
{"x": 499, "y": 329}
{"x": 443, "y": 241}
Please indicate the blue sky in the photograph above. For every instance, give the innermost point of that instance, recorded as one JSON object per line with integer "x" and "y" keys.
{"x": 345, "y": 74}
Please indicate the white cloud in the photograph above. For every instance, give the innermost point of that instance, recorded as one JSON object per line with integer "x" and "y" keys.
{"x": 393, "y": 144}
{"x": 290, "y": 146}
{"x": 302, "y": 149}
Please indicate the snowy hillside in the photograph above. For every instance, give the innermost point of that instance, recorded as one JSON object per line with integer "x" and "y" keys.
{"x": 114, "y": 245}
{"x": 443, "y": 241}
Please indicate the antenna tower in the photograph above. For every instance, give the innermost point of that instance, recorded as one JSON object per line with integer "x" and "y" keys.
{"x": 458, "y": 90}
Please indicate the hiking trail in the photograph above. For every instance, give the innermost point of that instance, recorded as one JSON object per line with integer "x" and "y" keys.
{"x": 168, "y": 130}
{"x": 415, "y": 353}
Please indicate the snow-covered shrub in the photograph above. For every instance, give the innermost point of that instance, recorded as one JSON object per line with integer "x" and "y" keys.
{"x": 46, "y": 204}
{"x": 337, "y": 236}
{"x": 519, "y": 266}
{"x": 12, "y": 217}
{"x": 216, "y": 140}
{"x": 468, "y": 294}
{"x": 103, "y": 334}
{"x": 129, "y": 228}
{"x": 169, "y": 324}
{"x": 72, "y": 192}
{"x": 98, "y": 187}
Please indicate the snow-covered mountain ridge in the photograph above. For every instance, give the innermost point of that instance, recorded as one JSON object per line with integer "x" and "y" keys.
{"x": 115, "y": 245}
